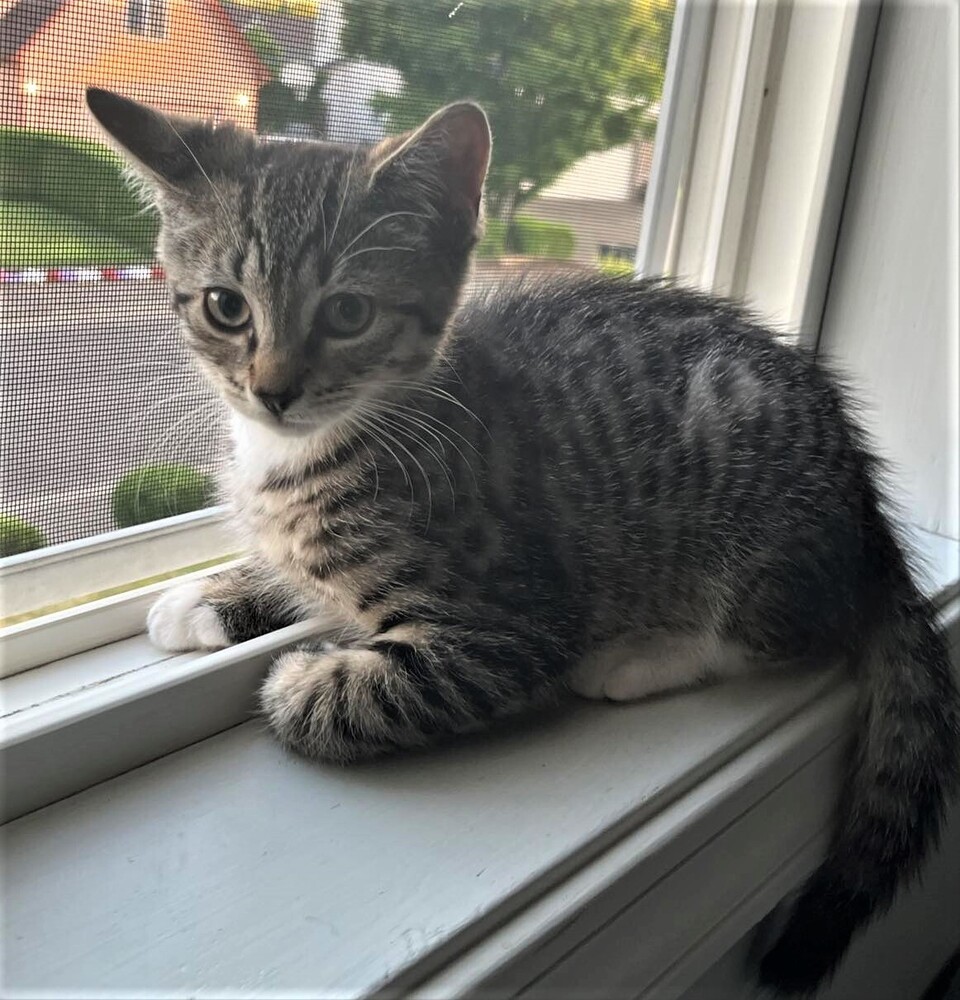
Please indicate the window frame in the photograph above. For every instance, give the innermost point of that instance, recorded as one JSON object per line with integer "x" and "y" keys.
{"x": 146, "y": 19}
{"x": 36, "y": 580}
{"x": 726, "y": 168}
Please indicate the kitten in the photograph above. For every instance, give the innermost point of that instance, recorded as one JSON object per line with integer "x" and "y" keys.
{"x": 621, "y": 488}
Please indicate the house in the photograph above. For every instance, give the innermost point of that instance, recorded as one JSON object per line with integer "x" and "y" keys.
{"x": 601, "y": 198}
{"x": 183, "y": 56}
{"x": 308, "y": 41}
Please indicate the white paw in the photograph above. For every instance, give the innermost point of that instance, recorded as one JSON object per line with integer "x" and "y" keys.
{"x": 605, "y": 680}
{"x": 180, "y": 621}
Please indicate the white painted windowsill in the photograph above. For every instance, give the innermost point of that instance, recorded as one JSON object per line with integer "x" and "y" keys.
{"x": 517, "y": 862}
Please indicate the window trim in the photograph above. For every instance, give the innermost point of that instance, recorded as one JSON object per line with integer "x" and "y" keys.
{"x": 35, "y": 580}
{"x": 89, "y": 626}
{"x": 771, "y": 783}
{"x": 87, "y": 732}
{"x": 723, "y": 185}
{"x": 80, "y": 736}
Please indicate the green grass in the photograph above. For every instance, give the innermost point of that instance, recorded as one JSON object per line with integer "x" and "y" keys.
{"x": 78, "y": 178}
{"x": 34, "y": 236}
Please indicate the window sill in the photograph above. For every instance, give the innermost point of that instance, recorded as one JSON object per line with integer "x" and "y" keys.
{"x": 204, "y": 854}
{"x": 493, "y": 865}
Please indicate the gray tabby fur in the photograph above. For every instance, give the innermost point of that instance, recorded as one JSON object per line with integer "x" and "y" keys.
{"x": 623, "y": 487}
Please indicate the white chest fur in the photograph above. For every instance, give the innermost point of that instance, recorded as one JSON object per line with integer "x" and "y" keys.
{"x": 258, "y": 451}
{"x": 276, "y": 523}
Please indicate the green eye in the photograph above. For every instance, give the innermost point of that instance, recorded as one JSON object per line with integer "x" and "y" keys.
{"x": 227, "y": 310}
{"x": 347, "y": 314}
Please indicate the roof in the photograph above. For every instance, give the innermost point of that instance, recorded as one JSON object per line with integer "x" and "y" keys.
{"x": 22, "y": 21}
{"x": 294, "y": 33}
{"x": 215, "y": 8}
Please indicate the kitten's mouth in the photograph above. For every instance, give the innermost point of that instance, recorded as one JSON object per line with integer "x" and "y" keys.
{"x": 289, "y": 426}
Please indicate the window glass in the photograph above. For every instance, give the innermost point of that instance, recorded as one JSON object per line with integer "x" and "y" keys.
{"x": 105, "y": 423}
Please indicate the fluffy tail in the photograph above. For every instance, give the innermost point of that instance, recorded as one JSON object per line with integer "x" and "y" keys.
{"x": 904, "y": 766}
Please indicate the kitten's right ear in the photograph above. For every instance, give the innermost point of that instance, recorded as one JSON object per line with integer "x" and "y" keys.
{"x": 171, "y": 152}
{"x": 451, "y": 149}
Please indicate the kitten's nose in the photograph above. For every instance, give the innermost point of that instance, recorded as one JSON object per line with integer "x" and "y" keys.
{"x": 277, "y": 400}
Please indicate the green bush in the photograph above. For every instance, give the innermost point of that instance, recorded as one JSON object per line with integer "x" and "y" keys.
{"x": 538, "y": 238}
{"x": 493, "y": 242}
{"x": 266, "y": 47}
{"x": 528, "y": 236}
{"x": 615, "y": 267}
{"x": 277, "y": 106}
{"x": 77, "y": 178}
{"x": 152, "y": 492}
{"x": 17, "y": 535}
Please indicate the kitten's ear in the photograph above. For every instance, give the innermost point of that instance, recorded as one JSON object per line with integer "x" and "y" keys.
{"x": 452, "y": 147}
{"x": 171, "y": 152}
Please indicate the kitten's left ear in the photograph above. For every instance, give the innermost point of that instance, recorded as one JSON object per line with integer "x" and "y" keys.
{"x": 451, "y": 148}
{"x": 169, "y": 152}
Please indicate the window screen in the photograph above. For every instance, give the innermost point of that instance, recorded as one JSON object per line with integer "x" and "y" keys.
{"x": 105, "y": 424}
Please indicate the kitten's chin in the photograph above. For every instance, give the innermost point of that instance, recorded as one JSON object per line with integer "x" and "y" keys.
{"x": 297, "y": 429}
{"x": 287, "y": 428}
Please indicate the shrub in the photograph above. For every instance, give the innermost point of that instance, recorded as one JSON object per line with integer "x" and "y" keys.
{"x": 17, "y": 535}
{"x": 528, "y": 236}
{"x": 615, "y": 267}
{"x": 539, "y": 238}
{"x": 77, "y": 178}
{"x": 152, "y": 492}
{"x": 493, "y": 242}
{"x": 277, "y": 106}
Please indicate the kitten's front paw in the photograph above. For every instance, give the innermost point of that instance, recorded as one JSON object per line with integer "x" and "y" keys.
{"x": 180, "y": 621}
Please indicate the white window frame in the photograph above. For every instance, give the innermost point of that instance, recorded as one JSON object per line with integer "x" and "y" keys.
{"x": 61, "y": 573}
{"x": 755, "y": 144}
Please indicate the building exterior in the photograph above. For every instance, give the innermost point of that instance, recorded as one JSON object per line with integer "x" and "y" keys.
{"x": 183, "y": 56}
{"x": 601, "y": 198}
{"x": 308, "y": 42}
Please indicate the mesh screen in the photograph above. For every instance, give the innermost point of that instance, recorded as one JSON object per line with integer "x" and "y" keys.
{"x": 104, "y": 421}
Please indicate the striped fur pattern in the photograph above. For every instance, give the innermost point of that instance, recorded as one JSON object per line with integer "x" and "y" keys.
{"x": 498, "y": 494}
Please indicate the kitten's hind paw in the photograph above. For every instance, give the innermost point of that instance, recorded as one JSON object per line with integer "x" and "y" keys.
{"x": 180, "y": 620}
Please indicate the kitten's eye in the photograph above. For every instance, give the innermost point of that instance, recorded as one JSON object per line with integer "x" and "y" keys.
{"x": 226, "y": 310}
{"x": 348, "y": 314}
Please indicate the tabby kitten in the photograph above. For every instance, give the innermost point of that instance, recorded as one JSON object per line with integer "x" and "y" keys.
{"x": 620, "y": 488}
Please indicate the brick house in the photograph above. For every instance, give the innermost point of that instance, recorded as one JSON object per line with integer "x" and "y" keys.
{"x": 184, "y": 56}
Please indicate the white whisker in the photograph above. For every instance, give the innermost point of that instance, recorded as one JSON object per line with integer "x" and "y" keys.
{"x": 227, "y": 217}
{"x": 426, "y": 479}
{"x": 364, "y": 416}
{"x": 397, "y": 423}
{"x": 439, "y": 393}
{"x": 356, "y": 253}
{"x": 376, "y": 222}
{"x": 202, "y": 409}
{"x": 343, "y": 198}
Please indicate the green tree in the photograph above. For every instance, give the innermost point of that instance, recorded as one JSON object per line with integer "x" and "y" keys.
{"x": 558, "y": 78}
{"x": 266, "y": 47}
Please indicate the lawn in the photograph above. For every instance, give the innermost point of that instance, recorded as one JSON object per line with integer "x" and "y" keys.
{"x": 34, "y": 236}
